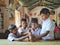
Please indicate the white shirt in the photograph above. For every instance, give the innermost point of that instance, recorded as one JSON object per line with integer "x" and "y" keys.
{"x": 48, "y": 25}
{"x": 11, "y": 37}
{"x": 36, "y": 32}
{"x": 20, "y": 30}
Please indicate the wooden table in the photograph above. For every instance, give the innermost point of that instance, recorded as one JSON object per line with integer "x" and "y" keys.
{"x": 6, "y": 42}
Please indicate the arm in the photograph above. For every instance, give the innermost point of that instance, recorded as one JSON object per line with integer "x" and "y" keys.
{"x": 24, "y": 33}
{"x": 47, "y": 30}
{"x": 21, "y": 32}
{"x": 40, "y": 36}
{"x": 30, "y": 38}
{"x": 21, "y": 38}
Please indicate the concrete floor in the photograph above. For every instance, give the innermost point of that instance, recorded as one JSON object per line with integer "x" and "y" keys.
{"x": 6, "y": 42}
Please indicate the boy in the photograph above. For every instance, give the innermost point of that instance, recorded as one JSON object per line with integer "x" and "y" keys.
{"x": 34, "y": 31}
{"x": 47, "y": 32}
{"x": 23, "y": 29}
{"x": 13, "y": 34}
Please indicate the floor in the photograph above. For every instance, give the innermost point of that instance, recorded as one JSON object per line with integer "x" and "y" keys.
{"x": 6, "y": 42}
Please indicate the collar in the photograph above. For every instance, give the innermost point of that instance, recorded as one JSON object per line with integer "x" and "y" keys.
{"x": 35, "y": 29}
{"x": 46, "y": 19}
{"x": 23, "y": 28}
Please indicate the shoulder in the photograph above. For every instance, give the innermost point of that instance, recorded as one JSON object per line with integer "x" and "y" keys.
{"x": 39, "y": 29}
{"x": 11, "y": 37}
{"x": 50, "y": 22}
{"x": 27, "y": 28}
{"x": 20, "y": 28}
{"x": 11, "y": 34}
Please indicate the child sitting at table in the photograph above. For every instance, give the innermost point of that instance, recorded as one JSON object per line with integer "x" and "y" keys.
{"x": 13, "y": 34}
{"x": 22, "y": 31}
{"x": 34, "y": 31}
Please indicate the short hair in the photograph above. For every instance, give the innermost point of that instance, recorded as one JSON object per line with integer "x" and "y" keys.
{"x": 44, "y": 11}
{"x": 34, "y": 20}
{"x": 23, "y": 20}
{"x": 11, "y": 27}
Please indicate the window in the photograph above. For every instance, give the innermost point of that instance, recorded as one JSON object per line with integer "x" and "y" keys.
{"x": 1, "y": 20}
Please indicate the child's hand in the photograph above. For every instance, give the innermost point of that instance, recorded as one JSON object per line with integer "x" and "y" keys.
{"x": 29, "y": 30}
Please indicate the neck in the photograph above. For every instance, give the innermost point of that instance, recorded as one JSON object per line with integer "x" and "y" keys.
{"x": 46, "y": 18}
{"x": 34, "y": 29}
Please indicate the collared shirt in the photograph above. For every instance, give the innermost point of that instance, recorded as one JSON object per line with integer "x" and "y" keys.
{"x": 36, "y": 32}
{"x": 11, "y": 37}
{"x": 20, "y": 30}
{"x": 48, "y": 25}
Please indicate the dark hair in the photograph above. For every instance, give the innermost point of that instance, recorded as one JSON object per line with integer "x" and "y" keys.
{"x": 11, "y": 27}
{"x": 44, "y": 11}
{"x": 34, "y": 20}
{"x": 23, "y": 20}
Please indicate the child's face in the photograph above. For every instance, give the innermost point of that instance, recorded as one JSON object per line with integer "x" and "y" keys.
{"x": 24, "y": 24}
{"x": 44, "y": 16}
{"x": 33, "y": 25}
{"x": 14, "y": 31}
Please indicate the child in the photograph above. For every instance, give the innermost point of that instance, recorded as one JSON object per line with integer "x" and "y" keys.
{"x": 34, "y": 31}
{"x": 13, "y": 34}
{"x": 47, "y": 32}
{"x": 23, "y": 29}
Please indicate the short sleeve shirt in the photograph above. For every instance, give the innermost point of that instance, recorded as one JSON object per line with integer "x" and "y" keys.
{"x": 20, "y": 30}
{"x": 36, "y": 32}
{"x": 11, "y": 36}
{"x": 48, "y": 25}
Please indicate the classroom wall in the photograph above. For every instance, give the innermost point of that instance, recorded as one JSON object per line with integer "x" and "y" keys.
{"x": 57, "y": 15}
{"x": 6, "y": 20}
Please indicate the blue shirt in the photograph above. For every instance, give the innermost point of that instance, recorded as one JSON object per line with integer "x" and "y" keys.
{"x": 36, "y": 32}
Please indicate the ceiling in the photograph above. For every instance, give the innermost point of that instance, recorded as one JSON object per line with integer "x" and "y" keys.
{"x": 30, "y": 4}
{"x": 53, "y": 4}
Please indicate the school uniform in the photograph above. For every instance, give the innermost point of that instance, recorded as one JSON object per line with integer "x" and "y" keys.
{"x": 20, "y": 30}
{"x": 48, "y": 25}
{"x": 11, "y": 37}
{"x": 36, "y": 32}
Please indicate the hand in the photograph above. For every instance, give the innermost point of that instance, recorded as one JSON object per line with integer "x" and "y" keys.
{"x": 29, "y": 30}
